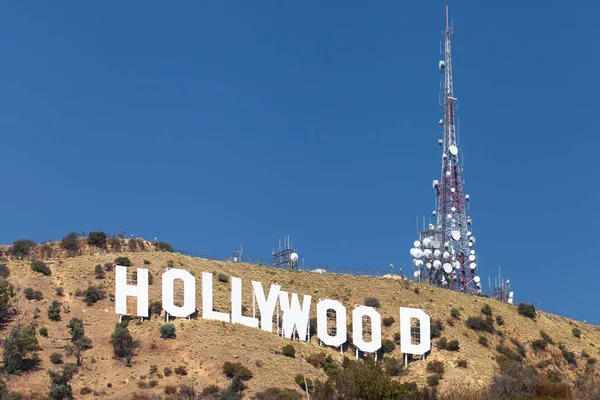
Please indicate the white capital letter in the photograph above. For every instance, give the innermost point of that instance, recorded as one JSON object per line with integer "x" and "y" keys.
{"x": 189, "y": 292}
{"x": 293, "y": 315}
{"x": 207, "y": 300}
{"x": 340, "y": 323}
{"x": 266, "y": 308}
{"x": 357, "y": 332}
{"x": 122, "y": 290}
{"x": 236, "y": 305}
{"x": 406, "y": 345}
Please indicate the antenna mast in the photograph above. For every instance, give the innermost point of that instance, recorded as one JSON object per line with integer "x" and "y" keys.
{"x": 444, "y": 255}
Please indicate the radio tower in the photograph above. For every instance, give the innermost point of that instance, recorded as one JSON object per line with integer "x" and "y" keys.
{"x": 443, "y": 255}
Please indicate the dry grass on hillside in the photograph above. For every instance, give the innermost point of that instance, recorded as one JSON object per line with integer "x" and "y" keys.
{"x": 203, "y": 346}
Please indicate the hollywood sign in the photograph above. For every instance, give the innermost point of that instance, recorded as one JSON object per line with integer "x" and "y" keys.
{"x": 295, "y": 316}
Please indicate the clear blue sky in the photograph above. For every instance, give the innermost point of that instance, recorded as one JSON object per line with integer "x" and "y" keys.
{"x": 215, "y": 123}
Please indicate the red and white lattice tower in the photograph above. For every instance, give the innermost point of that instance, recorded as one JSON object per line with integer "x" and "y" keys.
{"x": 444, "y": 254}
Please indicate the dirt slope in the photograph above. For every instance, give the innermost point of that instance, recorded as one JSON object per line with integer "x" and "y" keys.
{"x": 203, "y": 346}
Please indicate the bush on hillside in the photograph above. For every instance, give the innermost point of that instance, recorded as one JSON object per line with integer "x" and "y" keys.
{"x": 31, "y": 294}
{"x": 388, "y": 321}
{"x": 289, "y": 351}
{"x": 455, "y": 313}
{"x": 546, "y": 337}
{"x": 167, "y": 331}
{"x": 56, "y": 358}
{"x": 539, "y": 344}
{"x": 54, "y": 311}
{"x": 99, "y": 272}
{"x": 22, "y": 248}
{"x": 4, "y": 271}
{"x": 221, "y": 277}
{"x": 108, "y": 267}
{"x": 39, "y": 266}
{"x": 436, "y": 367}
{"x": 499, "y": 320}
{"x": 576, "y": 332}
{"x": 487, "y": 310}
{"x": 274, "y": 393}
{"x": 527, "y": 310}
{"x": 480, "y": 324}
{"x": 387, "y": 346}
{"x": 163, "y": 246}
{"x": 483, "y": 341}
{"x": 97, "y": 239}
{"x": 44, "y": 332}
{"x": 393, "y": 366}
{"x": 436, "y": 329}
{"x": 372, "y": 302}
{"x": 123, "y": 261}
{"x": 433, "y": 380}
{"x": 453, "y": 345}
{"x": 181, "y": 371}
{"x": 237, "y": 369}
{"x": 71, "y": 243}
{"x": 461, "y": 363}
{"x": 93, "y": 294}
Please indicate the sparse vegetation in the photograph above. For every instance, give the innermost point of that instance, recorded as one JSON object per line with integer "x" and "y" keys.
{"x": 387, "y": 346}
{"x": 480, "y": 324}
{"x": 93, "y": 294}
{"x": 180, "y": 370}
{"x": 436, "y": 328}
{"x": 167, "y": 331}
{"x": 4, "y": 271}
{"x": 236, "y": 370}
{"x": 436, "y": 367}
{"x": 31, "y": 294}
{"x": 527, "y": 310}
{"x": 97, "y": 239}
{"x": 56, "y": 358}
{"x": 483, "y": 341}
{"x": 163, "y": 246}
{"x": 388, "y": 321}
{"x": 461, "y": 363}
{"x": 99, "y": 271}
{"x": 539, "y": 345}
{"x": 20, "y": 342}
{"x": 60, "y": 389}
{"x": 433, "y": 380}
{"x": 499, "y": 320}
{"x": 44, "y": 332}
{"x": 576, "y": 332}
{"x": 123, "y": 343}
{"x": 22, "y": 248}
{"x": 221, "y": 277}
{"x": 455, "y": 313}
{"x": 372, "y": 302}
{"x": 71, "y": 243}
{"x": 546, "y": 337}
{"x": 487, "y": 310}
{"x": 123, "y": 261}
{"x": 39, "y": 266}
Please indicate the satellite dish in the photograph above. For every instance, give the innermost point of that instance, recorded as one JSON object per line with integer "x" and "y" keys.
{"x": 436, "y": 244}
{"x": 294, "y": 257}
{"x": 416, "y": 273}
{"x": 469, "y": 221}
{"x": 418, "y": 263}
{"x": 417, "y": 253}
{"x": 477, "y": 279}
{"x": 452, "y": 190}
{"x": 444, "y": 283}
{"x": 469, "y": 233}
{"x": 441, "y": 65}
{"x": 446, "y": 255}
{"x": 434, "y": 213}
{"x": 447, "y": 173}
{"x": 440, "y": 141}
{"x": 472, "y": 257}
{"x": 455, "y": 235}
{"x": 437, "y": 264}
{"x": 473, "y": 265}
{"x": 417, "y": 243}
{"x": 435, "y": 183}
{"x": 453, "y": 150}
{"x": 437, "y": 254}
{"x": 428, "y": 265}
{"x": 456, "y": 265}
{"x": 470, "y": 244}
{"x": 427, "y": 253}
{"x": 472, "y": 252}
{"x": 467, "y": 197}
{"x": 472, "y": 239}
{"x": 453, "y": 209}
{"x": 431, "y": 227}
{"x": 447, "y": 268}
{"x": 427, "y": 243}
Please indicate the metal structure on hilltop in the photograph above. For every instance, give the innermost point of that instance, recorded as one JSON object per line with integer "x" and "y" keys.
{"x": 444, "y": 255}
{"x": 285, "y": 256}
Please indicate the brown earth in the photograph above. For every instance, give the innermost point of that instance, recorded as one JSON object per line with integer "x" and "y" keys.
{"x": 203, "y": 346}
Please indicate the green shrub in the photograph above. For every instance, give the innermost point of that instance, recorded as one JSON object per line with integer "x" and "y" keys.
{"x": 546, "y": 337}
{"x": 436, "y": 329}
{"x": 576, "y": 332}
{"x": 372, "y": 302}
{"x": 397, "y": 337}
{"x": 123, "y": 261}
{"x": 480, "y": 324}
{"x": 4, "y": 271}
{"x": 44, "y": 332}
{"x": 455, "y": 313}
{"x": 433, "y": 380}
{"x": 167, "y": 371}
{"x": 483, "y": 341}
{"x": 22, "y": 248}
{"x": 436, "y": 367}
{"x": 539, "y": 344}
{"x": 31, "y": 294}
{"x": 93, "y": 294}
{"x": 39, "y": 266}
{"x": 170, "y": 389}
{"x": 487, "y": 310}
{"x": 461, "y": 363}
{"x": 60, "y": 291}
{"x": 108, "y": 267}
{"x": 527, "y": 310}
{"x": 155, "y": 307}
{"x": 387, "y": 346}
{"x": 453, "y": 345}
{"x": 417, "y": 291}
{"x": 289, "y": 351}
{"x": 54, "y": 311}
{"x": 221, "y": 277}
{"x": 299, "y": 379}
{"x": 499, "y": 320}
{"x": 85, "y": 390}
{"x": 97, "y": 239}
{"x": 181, "y": 370}
{"x": 99, "y": 272}
{"x": 508, "y": 353}
{"x": 236, "y": 369}
{"x": 167, "y": 331}
{"x": 71, "y": 243}
{"x": 442, "y": 343}
{"x": 519, "y": 347}
{"x": 210, "y": 390}
{"x": 393, "y": 366}
{"x": 56, "y": 358}
{"x": 569, "y": 356}
{"x": 388, "y": 321}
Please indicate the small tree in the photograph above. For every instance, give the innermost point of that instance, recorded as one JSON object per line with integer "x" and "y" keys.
{"x": 167, "y": 331}
{"x": 99, "y": 272}
{"x": 54, "y": 311}
{"x": 17, "y": 345}
{"x": 97, "y": 239}
{"x": 289, "y": 351}
{"x": 6, "y": 295}
{"x": 388, "y": 321}
{"x": 22, "y": 248}
{"x": 123, "y": 344}
{"x": 70, "y": 243}
{"x": 31, "y": 294}
{"x": 77, "y": 347}
{"x": 60, "y": 389}
{"x": 372, "y": 302}
{"x": 387, "y": 346}
{"x": 93, "y": 294}
{"x": 527, "y": 310}
{"x": 56, "y": 358}
{"x": 455, "y": 313}
{"x": 487, "y": 310}
{"x": 4, "y": 271}
{"x": 39, "y": 266}
{"x": 155, "y": 307}
{"x": 576, "y": 332}
{"x": 77, "y": 329}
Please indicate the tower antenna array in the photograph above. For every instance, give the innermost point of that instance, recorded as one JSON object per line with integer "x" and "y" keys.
{"x": 444, "y": 255}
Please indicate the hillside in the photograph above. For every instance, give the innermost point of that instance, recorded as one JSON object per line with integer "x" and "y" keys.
{"x": 203, "y": 346}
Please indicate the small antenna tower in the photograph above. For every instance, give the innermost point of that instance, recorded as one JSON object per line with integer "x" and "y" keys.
{"x": 444, "y": 255}
{"x": 501, "y": 291}
{"x": 285, "y": 256}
